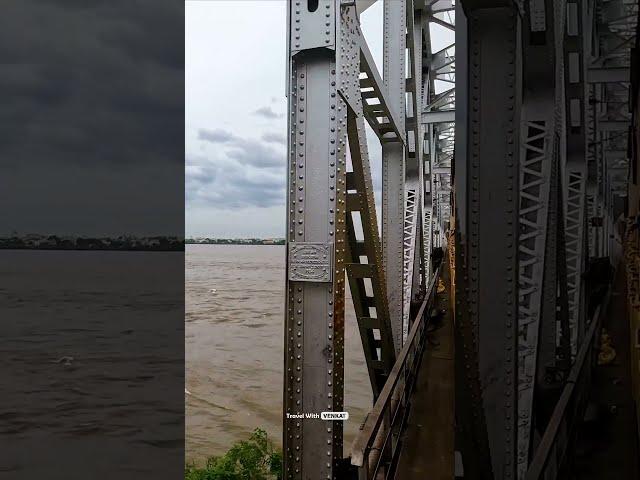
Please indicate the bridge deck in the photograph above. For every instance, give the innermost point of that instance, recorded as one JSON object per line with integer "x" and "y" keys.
{"x": 431, "y": 420}
{"x": 607, "y": 445}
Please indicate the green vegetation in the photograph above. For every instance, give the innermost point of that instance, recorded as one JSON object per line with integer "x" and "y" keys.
{"x": 253, "y": 459}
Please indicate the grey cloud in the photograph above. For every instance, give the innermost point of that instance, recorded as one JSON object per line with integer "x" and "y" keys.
{"x": 226, "y": 184}
{"x": 88, "y": 75}
{"x": 215, "y": 136}
{"x": 274, "y": 138}
{"x": 92, "y": 86}
{"x": 268, "y": 113}
{"x": 250, "y": 152}
{"x": 245, "y": 151}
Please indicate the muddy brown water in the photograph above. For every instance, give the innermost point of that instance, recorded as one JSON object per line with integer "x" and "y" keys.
{"x": 234, "y": 349}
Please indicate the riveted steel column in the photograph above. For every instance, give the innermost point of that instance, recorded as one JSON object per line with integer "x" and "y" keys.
{"x": 393, "y": 164}
{"x": 576, "y": 164}
{"x": 438, "y": 116}
{"x": 470, "y": 418}
{"x": 593, "y": 173}
{"x": 487, "y": 280}
{"x": 414, "y": 167}
{"x": 314, "y": 322}
{"x": 427, "y": 206}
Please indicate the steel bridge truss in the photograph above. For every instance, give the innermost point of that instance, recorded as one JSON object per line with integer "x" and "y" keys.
{"x": 533, "y": 95}
{"x": 543, "y": 89}
{"x": 334, "y": 90}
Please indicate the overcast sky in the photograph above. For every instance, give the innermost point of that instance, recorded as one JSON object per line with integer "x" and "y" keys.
{"x": 235, "y": 144}
{"x": 92, "y": 104}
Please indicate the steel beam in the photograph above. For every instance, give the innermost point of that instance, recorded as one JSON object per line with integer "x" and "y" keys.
{"x": 384, "y": 121}
{"x": 538, "y": 147}
{"x": 608, "y": 75}
{"x": 364, "y": 255}
{"x": 486, "y": 247}
{"x": 314, "y": 323}
{"x": 613, "y": 125}
{"x": 364, "y": 260}
{"x": 439, "y": 117}
{"x": 393, "y": 163}
{"x": 414, "y": 166}
{"x": 576, "y": 163}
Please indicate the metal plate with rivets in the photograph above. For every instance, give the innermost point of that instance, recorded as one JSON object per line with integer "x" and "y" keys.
{"x": 312, "y": 25}
{"x": 310, "y": 262}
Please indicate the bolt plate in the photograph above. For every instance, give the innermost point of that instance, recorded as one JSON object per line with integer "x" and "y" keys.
{"x": 310, "y": 262}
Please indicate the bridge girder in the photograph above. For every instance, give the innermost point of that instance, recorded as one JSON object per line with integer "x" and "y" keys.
{"x": 519, "y": 123}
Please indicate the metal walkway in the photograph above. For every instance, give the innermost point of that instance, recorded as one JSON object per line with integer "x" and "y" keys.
{"x": 608, "y": 445}
{"x": 431, "y": 420}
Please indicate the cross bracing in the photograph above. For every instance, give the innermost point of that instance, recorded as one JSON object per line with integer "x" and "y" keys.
{"x": 504, "y": 127}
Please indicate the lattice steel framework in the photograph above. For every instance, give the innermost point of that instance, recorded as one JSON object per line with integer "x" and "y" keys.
{"x": 533, "y": 96}
{"x": 542, "y": 98}
{"x": 334, "y": 87}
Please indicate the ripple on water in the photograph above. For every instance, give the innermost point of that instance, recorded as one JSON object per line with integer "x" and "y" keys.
{"x": 234, "y": 352}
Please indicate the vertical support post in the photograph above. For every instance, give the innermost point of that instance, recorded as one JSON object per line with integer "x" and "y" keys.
{"x": 427, "y": 219}
{"x": 470, "y": 419}
{"x": 576, "y": 165}
{"x": 393, "y": 164}
{"x": 536, "y": 248}
{"x": 314, "y": 311}
{"x": 438, "y": 122}
{"x": 414, "y": 168}
{"x": 487, "y": 248}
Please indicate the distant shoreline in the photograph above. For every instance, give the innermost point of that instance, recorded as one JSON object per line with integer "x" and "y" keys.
{"x": 77, "y": 249}
{"x": 239, "y": 244}
{"x": 235, "y": 241}
{"x": 125, "y": 244}
{"x": 122, "y": 243}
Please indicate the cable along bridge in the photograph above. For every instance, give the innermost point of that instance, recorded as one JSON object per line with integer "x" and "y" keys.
{"x": 505, "y": 175}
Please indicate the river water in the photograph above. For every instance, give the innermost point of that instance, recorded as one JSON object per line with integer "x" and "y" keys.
{"x": 234, "y": 298}
{"x": 91, "y": 356}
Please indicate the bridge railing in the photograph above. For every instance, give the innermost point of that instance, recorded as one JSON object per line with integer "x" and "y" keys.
{"x": 550, "y": 459}
{"x": 376, "y": 449}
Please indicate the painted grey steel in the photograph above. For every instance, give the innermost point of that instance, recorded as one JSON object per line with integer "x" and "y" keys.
{"x": 414, "y": 181}
{"x": 439, "y": 117}
{"x": 575, "y": 42}
{"x": 364, "y": 255}
{"x": 310, "y": 262}
{"x": 534, "y": 96}
{"x": 314, "y": 323}
{"x": 393, "y": 163}
{"x": 613, "y": 125}
{"x": 487, "y": 245}
{"x": 608, "y": 75}
{"x": 312, "y": 29}
{"x": 539, "y": 125}
{"x": 374, "y": 452}
{"x": 470, "y": 416}
{"x": 384, "y": 121}
{"x": 613, "y": 36}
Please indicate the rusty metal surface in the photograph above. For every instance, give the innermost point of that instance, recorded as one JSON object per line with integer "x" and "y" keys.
{"x": 385, "y": 412}
{"x": 428, "y": 441}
